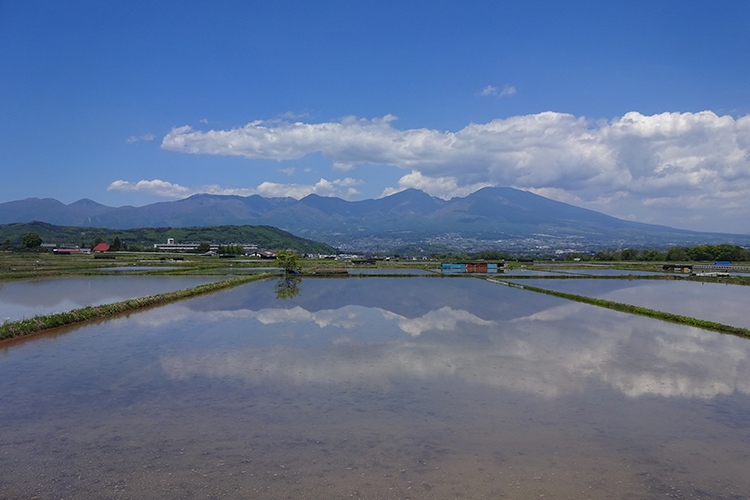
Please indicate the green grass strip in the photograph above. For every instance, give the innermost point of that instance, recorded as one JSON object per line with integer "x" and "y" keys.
{"x": 38, "y": 324}
{"x": 641, "y": 311}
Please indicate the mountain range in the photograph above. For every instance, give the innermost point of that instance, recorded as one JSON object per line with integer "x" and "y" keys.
{"x": 493, "y": 217}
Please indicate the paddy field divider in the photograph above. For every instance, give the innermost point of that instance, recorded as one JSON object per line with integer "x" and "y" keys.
{"x": 20, "y": 328}
{"x": 627, "y": 308}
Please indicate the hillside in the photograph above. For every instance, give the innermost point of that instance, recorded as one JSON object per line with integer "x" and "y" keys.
{"x": 492, "y": 217}
{"x": 265, "y": 237}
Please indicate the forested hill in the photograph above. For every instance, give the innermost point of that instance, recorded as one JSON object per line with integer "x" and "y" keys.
{"x": 266, "y": 237}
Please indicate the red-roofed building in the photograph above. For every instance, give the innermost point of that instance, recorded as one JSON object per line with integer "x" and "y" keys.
{"x": 101, "y": 247}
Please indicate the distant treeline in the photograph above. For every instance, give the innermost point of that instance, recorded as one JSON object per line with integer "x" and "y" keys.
{"x": 730, "y": 253}
{"x": 698, "y": 253}
{"x": 266, "y": 237}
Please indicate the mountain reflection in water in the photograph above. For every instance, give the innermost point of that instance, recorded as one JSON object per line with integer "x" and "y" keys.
{"x": 376, "y": 388}
{"x": 549, "y": 352}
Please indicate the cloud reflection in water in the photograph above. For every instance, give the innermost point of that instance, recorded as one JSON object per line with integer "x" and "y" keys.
{"x": 549, "y": 353}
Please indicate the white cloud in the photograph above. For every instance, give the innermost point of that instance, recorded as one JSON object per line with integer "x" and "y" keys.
{"x": 342, "y": 188}
{"x": 139, "y": 138}
{"x": 155, "y": 187}
{"x": 287, "y": 171}
{"x": 664, "y": 168}
{"x": 441, "y": 187}
{"x": 507, "y": 91}
{"x": 489, "y": 90}
{"x": 291, "y": 115}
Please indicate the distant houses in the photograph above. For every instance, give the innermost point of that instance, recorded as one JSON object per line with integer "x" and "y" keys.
{"x": 66, "y": 251}
{"x": 266, "y": 254}
{"x": 171, "y": 246}
{"x": 718, "y": 268}
{"x": 101, "y": 247}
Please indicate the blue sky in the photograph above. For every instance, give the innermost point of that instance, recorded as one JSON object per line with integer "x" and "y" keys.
{"x": 638, "y": 109}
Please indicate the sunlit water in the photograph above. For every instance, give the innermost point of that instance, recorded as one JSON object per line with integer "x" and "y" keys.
{"x": 26, "y": 299}
{"x": 728, "y": 304}
{"x": 377, "y": 388}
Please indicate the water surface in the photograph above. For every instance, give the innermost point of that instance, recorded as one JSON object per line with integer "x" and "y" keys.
{"x": 718, "y": 302}
{"x": 610, "y": 272}
{"x": 530, "y": 272}
{"x": 364, "y": 270}
{"x": 377, "y": 388}
{"x": 26, "y": 299}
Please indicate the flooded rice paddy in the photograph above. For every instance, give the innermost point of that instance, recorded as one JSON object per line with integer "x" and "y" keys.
{"x": 26, "y": 299}
{"x": 389, "y": 271}
{"x": 377, "y": 388}
{"x": 610, "y": 272}
{"x": 727, "y": 304}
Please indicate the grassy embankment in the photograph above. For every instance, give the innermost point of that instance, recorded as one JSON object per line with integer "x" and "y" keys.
{"x": 641, "y": 311}
{"x": 24, "y": 266}
{"x": 40, "y": 323}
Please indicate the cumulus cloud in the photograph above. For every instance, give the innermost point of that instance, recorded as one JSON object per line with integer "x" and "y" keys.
{"x": 673, "y": 166}
{"x": 155, "y": 187}
{"x": 139, "y": 138}
{"x": 442, "y": 187}
{"x": 342, "y": 188}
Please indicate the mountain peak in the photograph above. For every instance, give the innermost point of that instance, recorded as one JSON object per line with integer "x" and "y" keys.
{"x": 86, "y": 202}
{"x": 410, "y": 193}
{"x": 497, "y": 215}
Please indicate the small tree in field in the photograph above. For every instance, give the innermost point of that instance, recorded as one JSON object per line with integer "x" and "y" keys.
{"x": 288, "y": 261}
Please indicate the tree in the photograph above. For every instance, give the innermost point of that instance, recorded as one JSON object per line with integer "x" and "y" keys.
{"x": 491, "y": 255}
{"x": 629, "y": 254}
{"x": 288, "y": 261}
{"x": 677, "y": 253}
{"x": 32, "y": 240}
{"x": 607, "y": 255}
{"x": 116, "y": 245}
{"x": 203, "y": 247}
{"x": 654, "y": 255}
{"x": 231, "y": 249}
